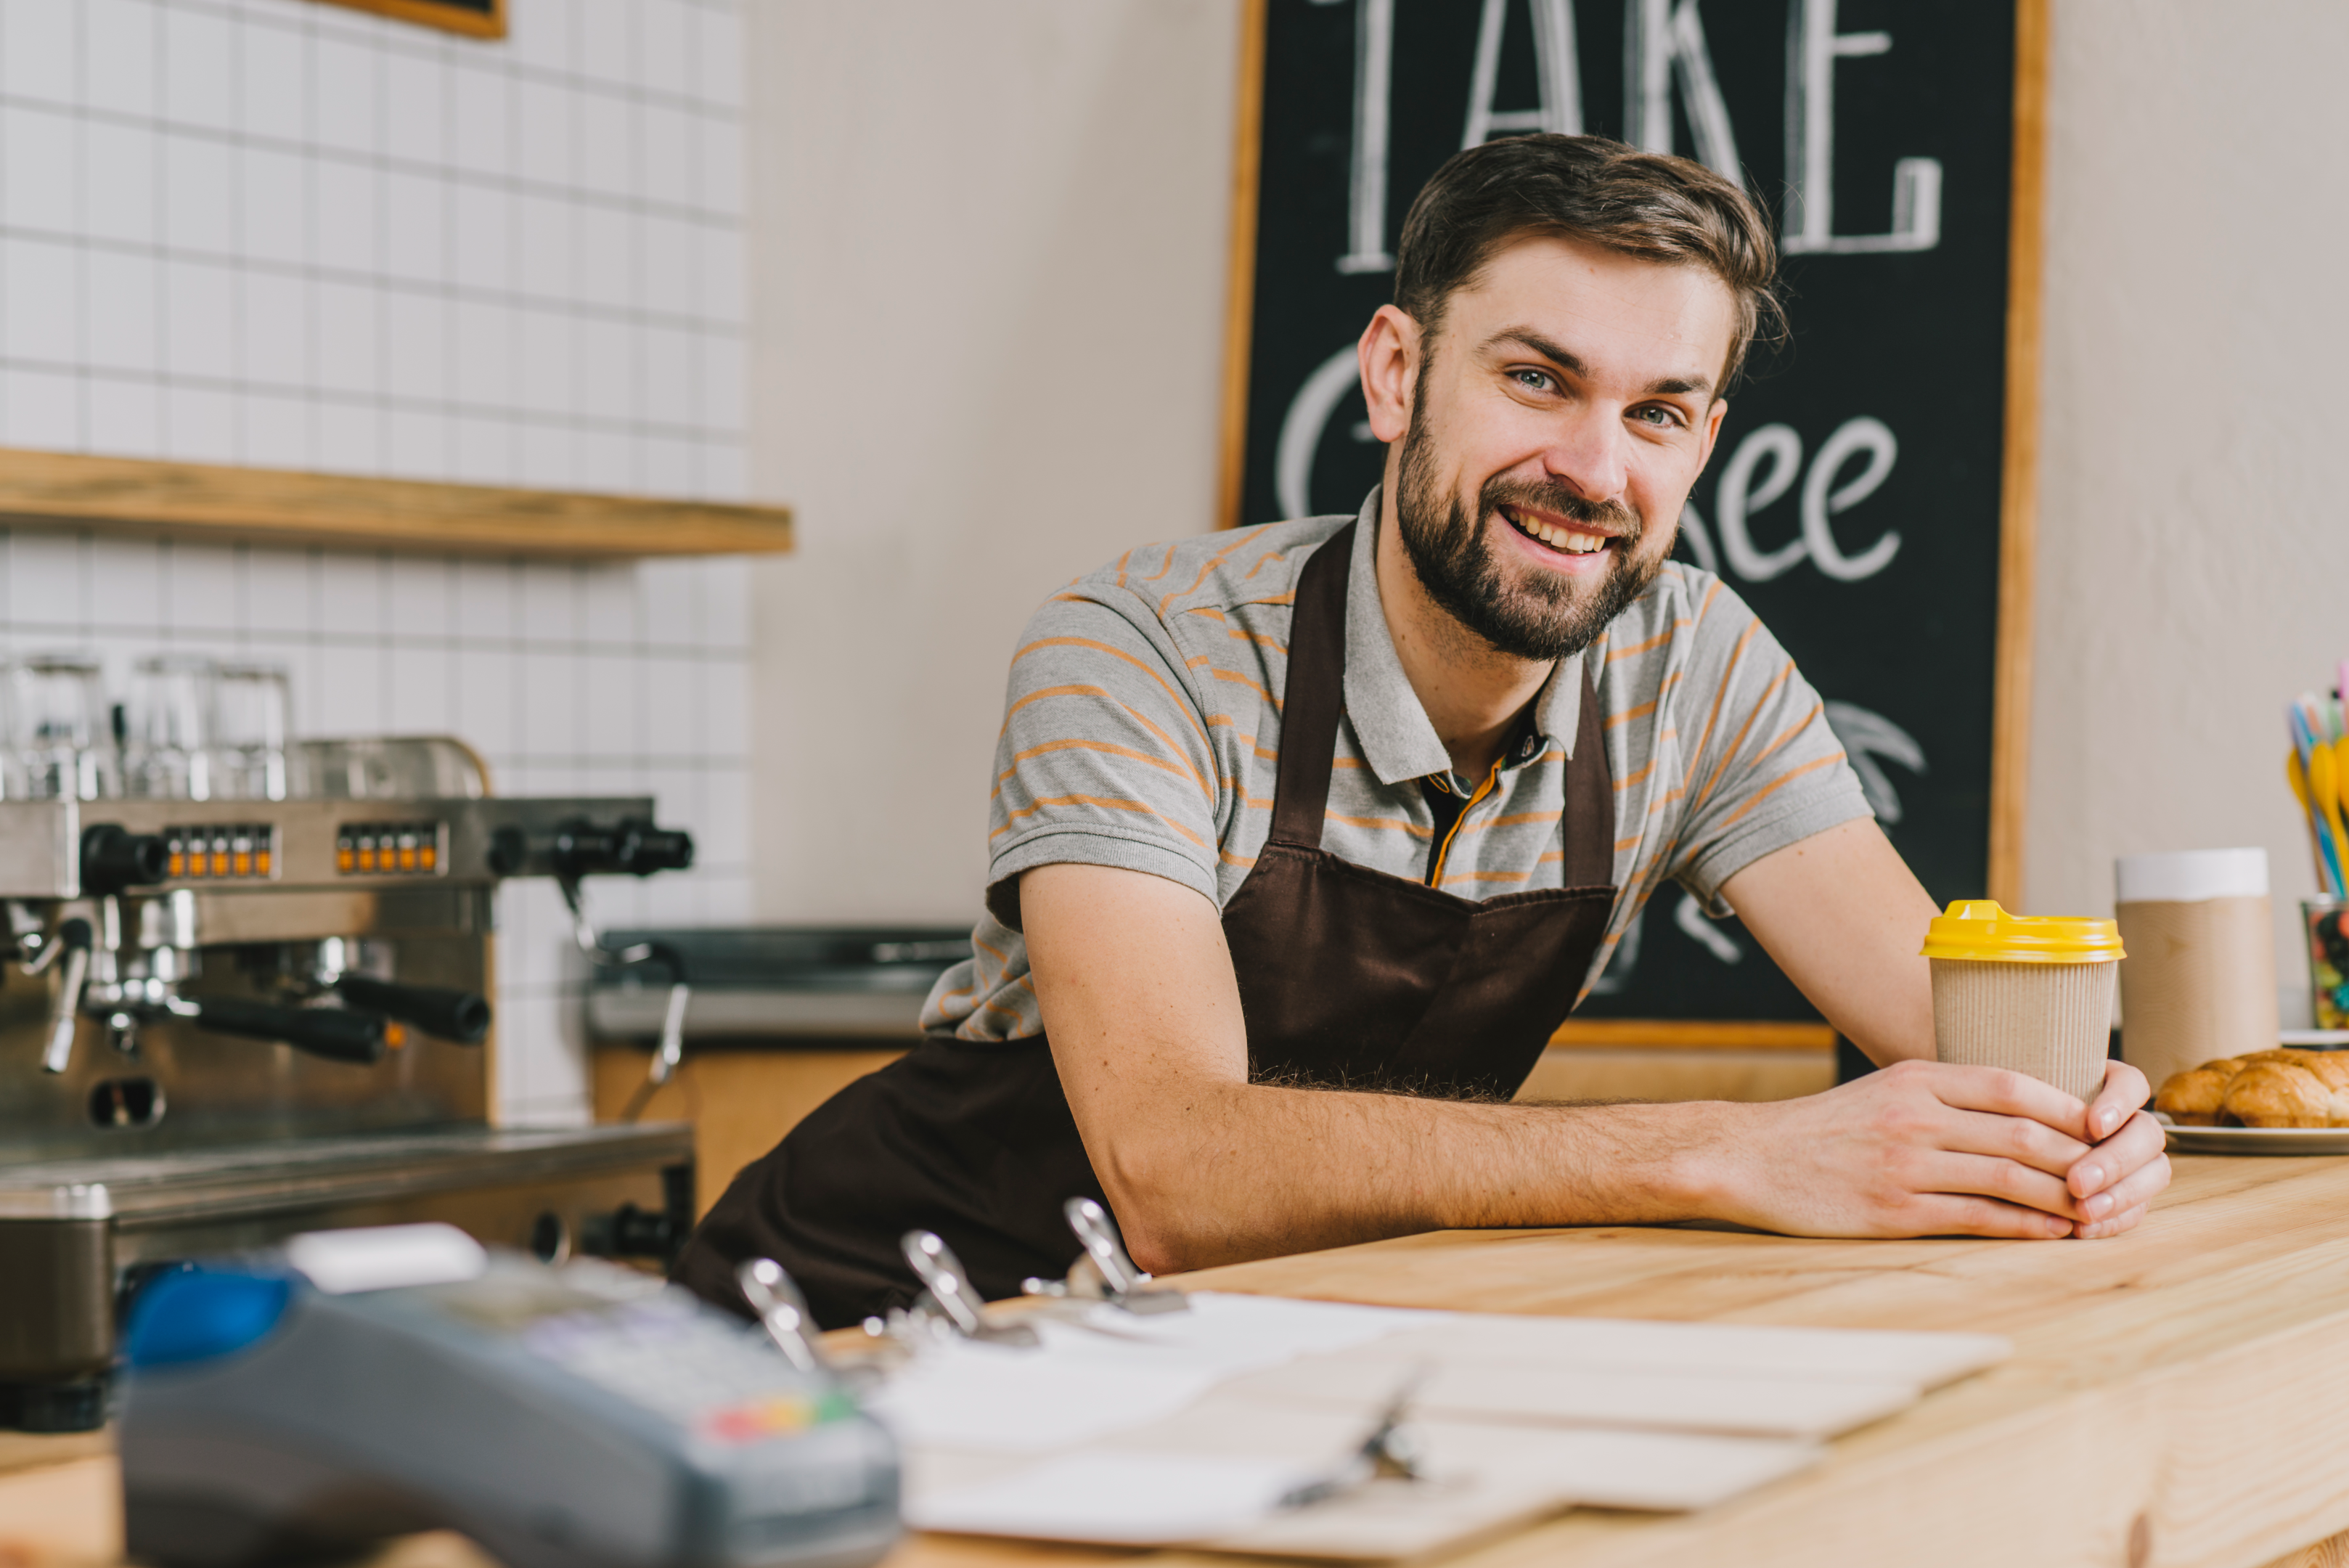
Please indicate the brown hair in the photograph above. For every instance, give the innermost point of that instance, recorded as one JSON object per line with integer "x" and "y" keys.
{"x": 1649, "y": 205}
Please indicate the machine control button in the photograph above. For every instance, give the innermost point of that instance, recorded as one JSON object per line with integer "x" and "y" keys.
{"x": 213, "y": 852}
{"x": 390, "y": 848}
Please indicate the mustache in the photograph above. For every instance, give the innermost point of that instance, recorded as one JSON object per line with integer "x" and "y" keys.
{"x": 1604, "y": 517}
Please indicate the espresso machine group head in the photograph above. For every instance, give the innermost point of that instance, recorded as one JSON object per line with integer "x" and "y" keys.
{"x": 226, "y": 1022}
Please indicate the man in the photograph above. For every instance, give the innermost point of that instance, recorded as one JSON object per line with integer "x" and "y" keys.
{"x": 1306, "y": 836}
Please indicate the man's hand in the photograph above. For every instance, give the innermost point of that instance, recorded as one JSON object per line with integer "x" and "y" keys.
{"x": 1923, "y": 1148}
{"x": 2127, "y": 1168}
{"x": 1845, "y": 918}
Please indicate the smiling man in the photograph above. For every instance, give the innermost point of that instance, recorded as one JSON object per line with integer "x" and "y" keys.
{"x": 1305, "y": 838}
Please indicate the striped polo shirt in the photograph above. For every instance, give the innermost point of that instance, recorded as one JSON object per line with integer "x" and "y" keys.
{"x": 1141, "y": 730}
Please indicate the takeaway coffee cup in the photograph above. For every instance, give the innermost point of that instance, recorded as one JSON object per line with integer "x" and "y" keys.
{"x": 2034, "y": 996}
{"x": 2203, "y": 982}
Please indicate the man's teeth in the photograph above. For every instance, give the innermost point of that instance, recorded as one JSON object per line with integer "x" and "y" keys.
{"x": 1567, "y": 539}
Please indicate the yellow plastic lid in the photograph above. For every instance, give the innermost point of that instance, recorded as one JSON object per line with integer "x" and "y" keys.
{"x": 1978, "y": 929}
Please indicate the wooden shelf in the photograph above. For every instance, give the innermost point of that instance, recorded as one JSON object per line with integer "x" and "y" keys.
{"x": 277, "y": 506}
{"x": 1683, "y": 1034}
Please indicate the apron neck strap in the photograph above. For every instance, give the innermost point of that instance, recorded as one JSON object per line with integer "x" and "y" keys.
{"x": 1315, "y": 693}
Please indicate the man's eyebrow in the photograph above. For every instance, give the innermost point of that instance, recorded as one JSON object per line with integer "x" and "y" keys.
{"x": 1526, "y": 337}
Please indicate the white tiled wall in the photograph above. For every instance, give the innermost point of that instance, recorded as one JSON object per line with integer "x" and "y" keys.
{"x": 290, "y": 234}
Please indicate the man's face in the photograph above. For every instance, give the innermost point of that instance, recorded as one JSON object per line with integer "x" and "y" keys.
{"x": 1558, "y": 422}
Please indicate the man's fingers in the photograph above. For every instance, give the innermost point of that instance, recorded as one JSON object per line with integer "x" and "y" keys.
{"x": 2124, "y": 1091}
{"x": 1957, "y": 1214}
{"x": 2099, "y": 1229}
{"x": 2136, "y": 1145}
{"x": 1945, "y": 1172}
{"x": 2006, "y": 1093}
{"x": 2134, "y": 1190}
{"x": 2019, "y": 1138}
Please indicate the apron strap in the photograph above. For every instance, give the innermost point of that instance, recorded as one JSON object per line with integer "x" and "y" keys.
{"x": 1590, "y": 824}
{"x": 1315, "y": 693}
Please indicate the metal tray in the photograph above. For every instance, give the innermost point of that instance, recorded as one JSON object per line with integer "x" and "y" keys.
{"x": 2254, "y": 1140}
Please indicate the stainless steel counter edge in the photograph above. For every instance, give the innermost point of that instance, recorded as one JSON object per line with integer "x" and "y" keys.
{"x": 303, "y": 1173}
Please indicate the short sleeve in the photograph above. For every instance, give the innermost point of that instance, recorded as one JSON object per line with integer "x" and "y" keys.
{"x": 1104, "y": 758}
{"x": 1769, "y": 772}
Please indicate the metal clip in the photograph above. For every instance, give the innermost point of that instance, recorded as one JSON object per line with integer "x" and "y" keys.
{"x": 1385, "y": 1453}
{"x": 782, "y": 1311}
{"x": 1121, "y": 1282}
{"x": 950, "y": 1292}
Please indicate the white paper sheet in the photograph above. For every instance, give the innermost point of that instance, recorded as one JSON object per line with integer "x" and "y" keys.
{"x": 1087, "y": 1382}
{"x": 1186, "y": 1427}
{"x": 1123, "y": 1499}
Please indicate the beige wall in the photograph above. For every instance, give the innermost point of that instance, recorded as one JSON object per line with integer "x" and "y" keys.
{"x": 2194, "y": 542}
{"x": 988, "y": 285}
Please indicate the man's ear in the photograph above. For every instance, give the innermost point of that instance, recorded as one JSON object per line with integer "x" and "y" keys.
{"x": 1389, "y": 356}
{"x": 1712, "y": 418}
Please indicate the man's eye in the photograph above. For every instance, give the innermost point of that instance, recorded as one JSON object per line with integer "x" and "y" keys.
{"x": 1534, "y": 380}
{"x": 1656, "y": 414}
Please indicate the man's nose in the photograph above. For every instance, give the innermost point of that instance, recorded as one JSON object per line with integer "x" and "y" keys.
{"x": 1591, "y": 454}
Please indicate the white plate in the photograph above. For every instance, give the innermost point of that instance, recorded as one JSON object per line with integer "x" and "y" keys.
{"x": 2254, "y": 1140}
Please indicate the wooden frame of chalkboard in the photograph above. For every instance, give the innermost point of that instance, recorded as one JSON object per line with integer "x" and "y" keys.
{"x": 474, "y": 18}
{"x": 1991, "y": 233}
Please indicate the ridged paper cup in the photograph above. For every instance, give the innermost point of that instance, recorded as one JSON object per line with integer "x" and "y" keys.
{"x": 2031, "y": 995}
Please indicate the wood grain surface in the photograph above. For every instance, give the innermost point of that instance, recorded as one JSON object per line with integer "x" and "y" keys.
{"x": 277, "y": 506}
{"x": 2177, "y": 1398}
{"x": 2018, "y": 544}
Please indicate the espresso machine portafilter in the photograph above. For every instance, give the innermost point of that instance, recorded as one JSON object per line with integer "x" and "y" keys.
{"x": 226, "y": 1022}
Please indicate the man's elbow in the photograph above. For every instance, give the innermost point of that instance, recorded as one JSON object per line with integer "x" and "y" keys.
{"x": 1154, "y": 1193}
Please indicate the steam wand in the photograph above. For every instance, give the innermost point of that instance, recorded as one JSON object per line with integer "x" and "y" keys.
{"x": 670, "y": 1052}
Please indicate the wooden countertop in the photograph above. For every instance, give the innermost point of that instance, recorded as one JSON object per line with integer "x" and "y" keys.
{"x": 2178, "y": 1397}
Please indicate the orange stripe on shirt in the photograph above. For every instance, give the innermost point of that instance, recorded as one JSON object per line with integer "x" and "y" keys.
{"x": 1107, "y": 803}
{"x": 1487, "y": 876}
{"x": 1658, "y": 640}
{"x": 1109, "y": 748}
{"x": 1729, "y": 753}
{"x": 1209, "y": 564}
{"x": 1387, "y": 824}
{"x": 1513, "y": 819}
{"x": 1789, "y": 733}
{"x": 1237, "y": 679}
{"x": 1136, "y": 714}
{"x": 1663, "y": 690}
{"x": 1720, "y": 695}
{"x": 1115, "y": 652}
{"x": 1790, "y": 774}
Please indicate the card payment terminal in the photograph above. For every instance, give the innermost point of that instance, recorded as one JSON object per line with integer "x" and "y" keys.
{"x": 581, "y": 1416}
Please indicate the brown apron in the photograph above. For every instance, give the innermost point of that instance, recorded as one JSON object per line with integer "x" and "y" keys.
{"x": 1349, "y": 977}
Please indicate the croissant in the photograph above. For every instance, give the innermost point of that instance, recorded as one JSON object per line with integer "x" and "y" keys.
{"x": 2280, "y": 1088}
{"x": 2191, "y": 1098}
{"x": 2276, "y": 1094}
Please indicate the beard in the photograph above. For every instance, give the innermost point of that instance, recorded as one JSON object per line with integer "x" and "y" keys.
{"x": 1539, "y": 616}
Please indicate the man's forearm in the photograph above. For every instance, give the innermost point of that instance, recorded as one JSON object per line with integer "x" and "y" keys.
{"x": 1243, "y": 1170}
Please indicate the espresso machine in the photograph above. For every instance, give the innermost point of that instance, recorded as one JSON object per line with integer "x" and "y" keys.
{"x": 226, "y": 1022}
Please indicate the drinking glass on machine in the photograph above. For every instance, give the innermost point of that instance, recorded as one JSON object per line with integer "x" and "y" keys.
{"x": 173, "y": 712}
{"x": 255, "y": 733}
{"x": 59, "y": 728}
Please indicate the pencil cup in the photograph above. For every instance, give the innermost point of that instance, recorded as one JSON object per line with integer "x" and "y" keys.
{"x": 2328, "y": 962}
{"x": 2028, "y": 994}
{"x": 2202, "y": 984}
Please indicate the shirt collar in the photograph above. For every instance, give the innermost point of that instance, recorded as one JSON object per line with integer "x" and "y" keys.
{"x": 1396, "y": 738}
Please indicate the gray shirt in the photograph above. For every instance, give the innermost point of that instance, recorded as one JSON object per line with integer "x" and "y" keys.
{"x": 1142, "y": 731}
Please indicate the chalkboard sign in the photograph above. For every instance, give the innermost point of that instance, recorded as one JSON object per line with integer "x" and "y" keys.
{"x": 474, "y": 18}
{"x": 1870, "y": 495}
